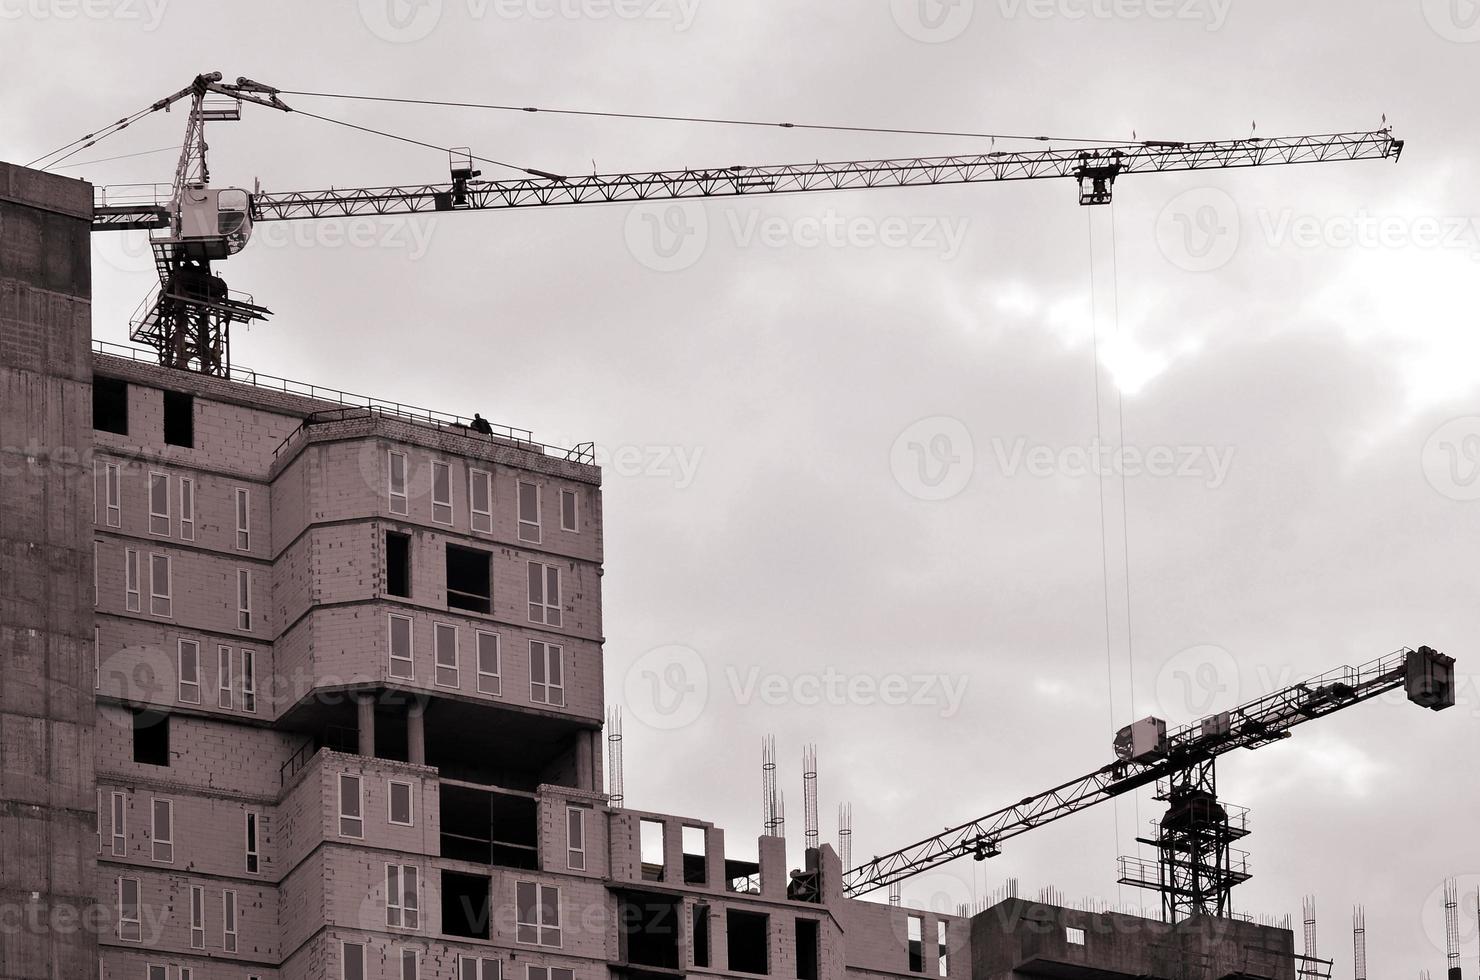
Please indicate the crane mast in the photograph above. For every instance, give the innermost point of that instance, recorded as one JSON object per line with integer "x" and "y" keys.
{"x": 188, "y": 322}
{"x": 1194, "y": 877}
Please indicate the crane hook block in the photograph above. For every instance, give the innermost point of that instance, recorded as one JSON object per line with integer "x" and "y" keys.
{"x": 1430, "y": 679}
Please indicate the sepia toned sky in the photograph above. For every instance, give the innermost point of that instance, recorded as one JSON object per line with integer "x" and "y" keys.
{"x": 857, "y": 491}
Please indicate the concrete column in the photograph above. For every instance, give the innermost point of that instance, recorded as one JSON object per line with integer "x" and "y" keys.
{"x": 416, "y": 733}
{"x": 47, "y": 781}
{"x": 774, "y": 873}
{"x": 365, "y": 705}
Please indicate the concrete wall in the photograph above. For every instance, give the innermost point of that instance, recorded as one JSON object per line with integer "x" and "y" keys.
{"x": 46, "y": 709}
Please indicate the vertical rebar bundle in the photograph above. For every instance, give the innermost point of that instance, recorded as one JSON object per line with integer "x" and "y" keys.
{"x": 614, "y": 757}
{"x": 809, "y": 795}
{"x": 845, "y": 835}
{"x": 1359, "y": 942}
{"x": 1308, "y": 907}
{"x": 894, "y": 893}
{"x": 772, "y": 815}
{"x": 1451, "y": 927}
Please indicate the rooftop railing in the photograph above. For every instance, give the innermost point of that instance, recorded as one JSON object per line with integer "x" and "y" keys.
{"x": 584, "y": 452}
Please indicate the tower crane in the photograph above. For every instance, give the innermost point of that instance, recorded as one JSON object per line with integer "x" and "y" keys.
{"x": 1196, "y": 869}
{"x": 188, "y": 321}
{"x": 189, "y": 318}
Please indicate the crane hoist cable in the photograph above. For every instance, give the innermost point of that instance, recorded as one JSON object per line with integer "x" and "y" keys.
{"x": 416, "y": 142}
{"x": 122, "y": 156}
{"x": 93, "y": 138}
{"x": 712, "y": 120}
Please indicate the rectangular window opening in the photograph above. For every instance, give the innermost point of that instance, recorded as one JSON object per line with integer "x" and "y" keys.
{"x": 1074, "y": 936}
{"x": 489, "y": 680}
{"x": 187, "y": 509}
{"x": 569, "y": 515}
{"x": 537, "y": 913}
{"x": 546, "y": 674}
{"x": 225, "y": 677}
{"x": 351, "y": 961}
{"x": 110, "y": 405}
{"x": 110, "y": 492}
{"x": 651, "y": 849}
{"x": 465, "y": 905}
{"x": 396, "y": 482}
{"x": 529, "y": 513}
{"x": 446, "y": 673}
{"x": 151, "y": 738}
{"x": 351, "y": 806}
{"x": 916, "y": 939}
{"x": 119, "y": 831}
{"x": 159, "y": 504}
{"x": 228, "y": 920}
{"x": 162, "y": 831}
{"x": 695, "y": 856}
{"x": 243, "y": 520}
{"x": 179, "y": 419}
{"x": 130, "y": 928}
{"x": 399, "y": 805}
{"x": 748, "y": 938}
{"x": 480, "y": 501}
{"x": 469, "y": 579}
{"x": 402, "y": 898}
{"x": 398, "y": 564}
{"x": 131, "y": 580}
{"x": 942, "y": 954}
{"x": 249, "y": 680}
{"x": 701, "y": 935}
{"x": 401, "y": 663}
{"x": 544, "y": 593}
{"x": 441, "y": 493}
{"x": 254, "y": 856}
{"x": 197, "y": 917}
{"x": 575, "y": 838}
{"x": 243, "y": 600}
{"x": 189, "y": 672}
{"x": 161, "y": 586}
{"x": 807, "y": 952}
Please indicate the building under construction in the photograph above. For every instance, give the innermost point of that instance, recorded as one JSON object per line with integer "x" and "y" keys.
{"x": 306, "y": 685}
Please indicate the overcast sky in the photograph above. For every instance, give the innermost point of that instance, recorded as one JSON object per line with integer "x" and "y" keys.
{"x": 845, "y": 433}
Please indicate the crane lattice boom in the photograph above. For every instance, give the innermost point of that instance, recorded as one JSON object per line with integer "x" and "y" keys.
{"x": 1259, "y": 722}
{"x": 1095, "y": 167}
